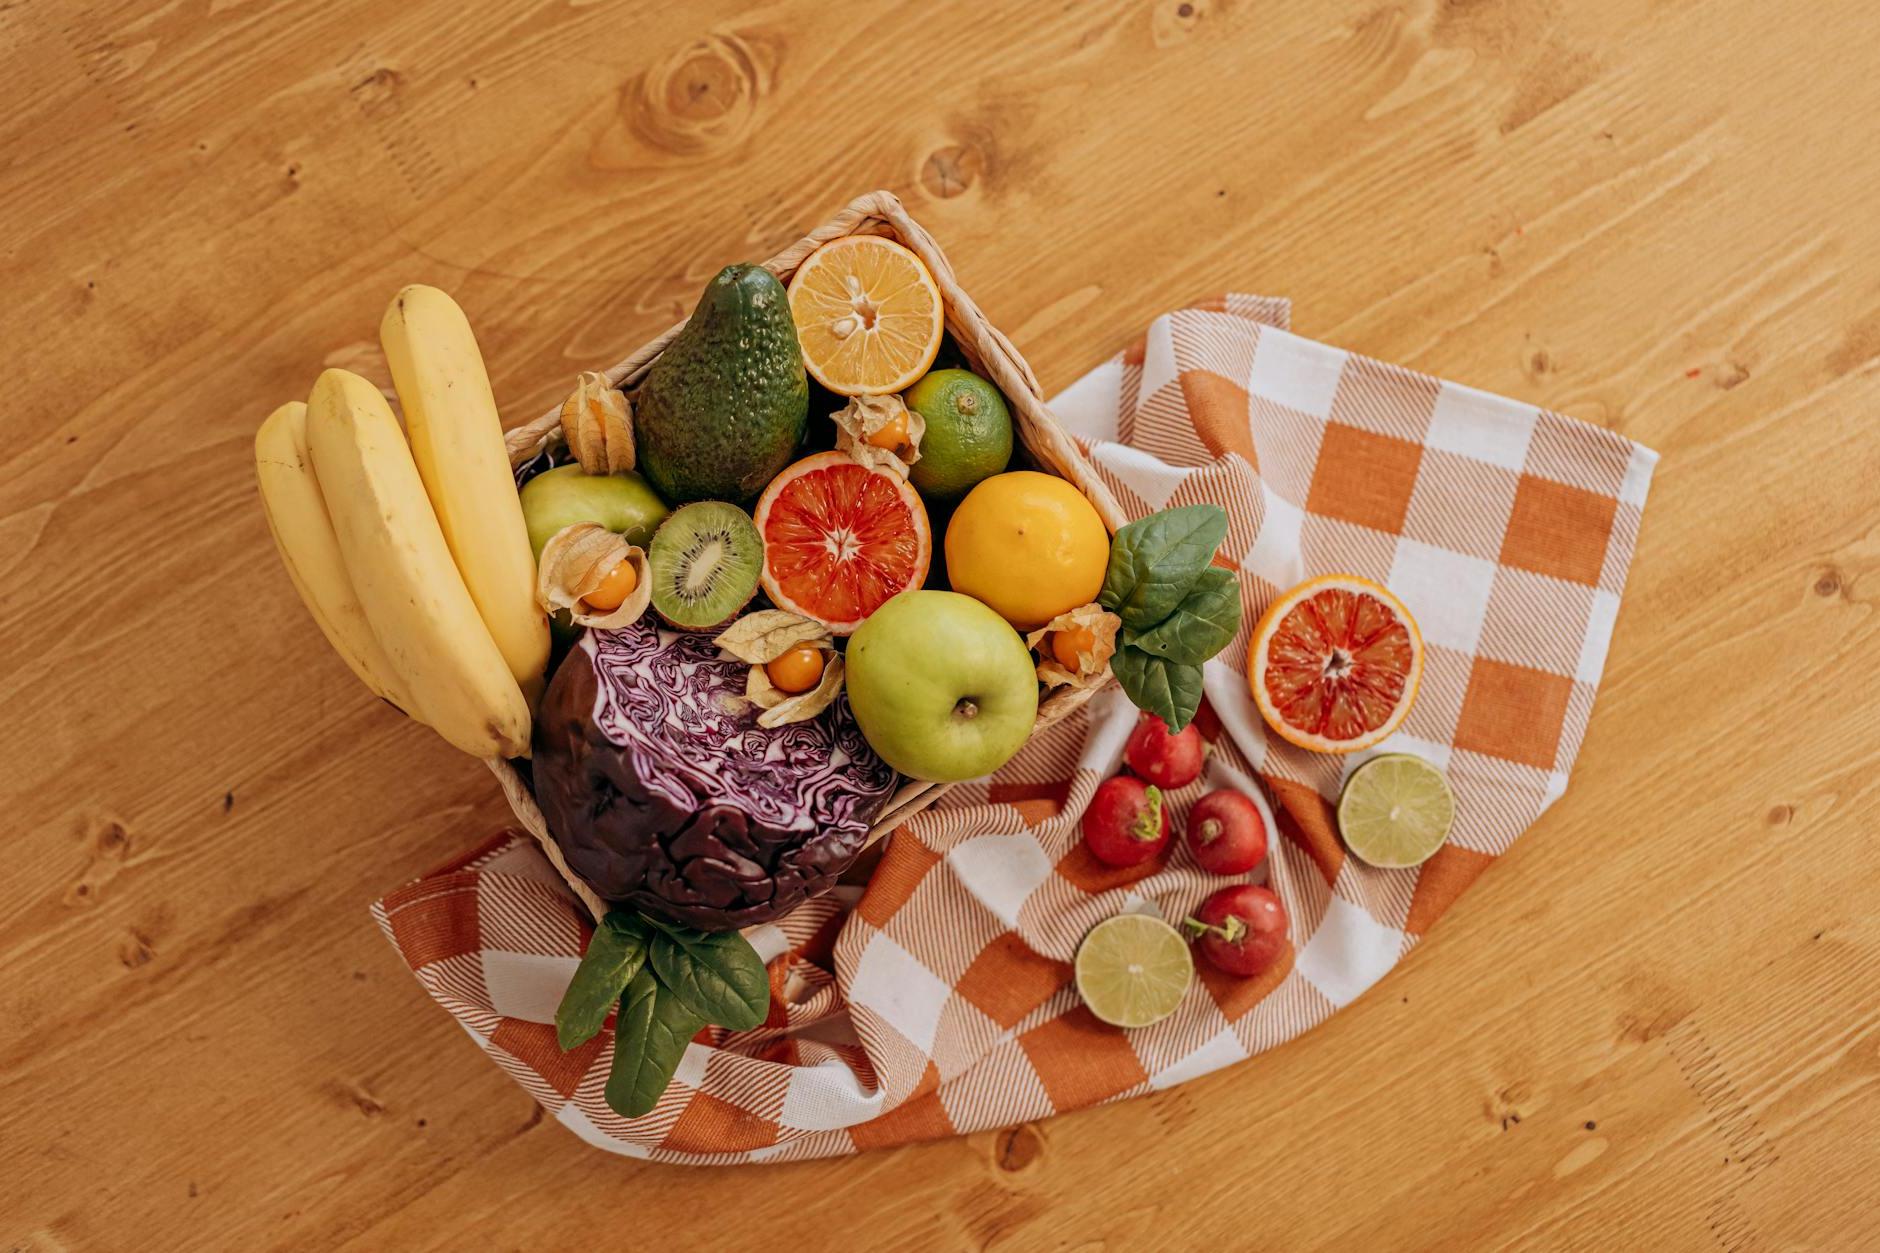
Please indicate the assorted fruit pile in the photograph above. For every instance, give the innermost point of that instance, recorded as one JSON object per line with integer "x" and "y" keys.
{"x": 1333, "y": 667}
{"x": 1127, "y": 973}
{"x": 733, "y": 572}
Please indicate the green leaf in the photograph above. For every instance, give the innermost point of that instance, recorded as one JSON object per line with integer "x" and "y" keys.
{"x": 1167, "y": 689}
{"x": 649, "y": 1040}
{"x": 1201, "y": 626}
{"x": 717, "y": 976}
{"x": 1155, "y": 560}
{"x": 613, "y": 957}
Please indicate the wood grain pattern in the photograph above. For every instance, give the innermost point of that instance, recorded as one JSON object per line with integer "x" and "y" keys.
{"x": 1654, "y": 1025}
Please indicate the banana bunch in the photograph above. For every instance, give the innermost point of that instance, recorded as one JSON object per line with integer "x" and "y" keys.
{"x": 408, "y": 546}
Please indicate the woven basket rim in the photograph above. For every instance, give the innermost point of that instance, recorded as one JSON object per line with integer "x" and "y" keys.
{"x": 986, "y": 348}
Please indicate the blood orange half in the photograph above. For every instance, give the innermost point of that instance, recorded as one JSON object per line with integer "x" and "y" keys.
{"x": 840, "y": 539}
{"x": 1335, "y": 663}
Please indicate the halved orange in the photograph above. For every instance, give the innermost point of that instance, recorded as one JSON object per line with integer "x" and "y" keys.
{"x": 840, "y": 539}
{"x": 1334, "y": 664}
{"x": 868, "y": 315}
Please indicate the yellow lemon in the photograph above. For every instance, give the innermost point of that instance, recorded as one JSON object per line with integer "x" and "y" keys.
{"x": 1029, "y": 545}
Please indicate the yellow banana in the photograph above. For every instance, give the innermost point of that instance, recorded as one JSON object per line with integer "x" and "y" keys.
{"x": 457, "y": 442}
{"x": 303, "y": 533}
{"x": 402, "y": 571}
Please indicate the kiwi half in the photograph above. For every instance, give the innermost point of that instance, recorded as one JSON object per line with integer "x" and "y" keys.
{"x": 704, "y": 562}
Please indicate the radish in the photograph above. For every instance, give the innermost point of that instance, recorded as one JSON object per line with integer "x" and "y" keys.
{"x": 1226, "y": 833}
{"x": 1241, "y": 930}
{"x": 1126, "y": 823}
{"x": 1168, "y": 761}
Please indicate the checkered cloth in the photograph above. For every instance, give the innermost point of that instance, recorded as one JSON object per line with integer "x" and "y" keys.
{"x": 937, "y": 1000}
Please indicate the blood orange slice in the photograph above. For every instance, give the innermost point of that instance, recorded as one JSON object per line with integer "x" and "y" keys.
{"x": 1334, "y": 664}
{"x": 840, "y": 539}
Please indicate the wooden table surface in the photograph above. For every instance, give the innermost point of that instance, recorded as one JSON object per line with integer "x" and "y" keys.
{"x": 1655, "y": 1024}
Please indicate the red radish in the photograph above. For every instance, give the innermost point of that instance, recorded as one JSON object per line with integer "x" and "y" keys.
{"x": 1126, "y": 823}
{"x": 1168, "y": 761}
{"x": 1242, "y": 929}
{"x": 1226, "y": 833}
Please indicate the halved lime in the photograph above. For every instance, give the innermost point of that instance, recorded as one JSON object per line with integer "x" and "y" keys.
{"x": 1395, "y": 811}
{"x": 1133, "y": 969}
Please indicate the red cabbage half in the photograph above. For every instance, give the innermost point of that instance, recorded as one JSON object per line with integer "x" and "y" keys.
{"x": 665, "y": 794}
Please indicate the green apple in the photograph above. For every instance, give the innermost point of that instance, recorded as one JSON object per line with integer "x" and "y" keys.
{"x": 561, "y": 497}
{"x": 943, "y": 688}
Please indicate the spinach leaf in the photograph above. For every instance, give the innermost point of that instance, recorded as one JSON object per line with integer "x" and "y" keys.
{"x": 1167, "y": 689}
{"x": 613, "y": 957}
{"x": 718, "y": 977}
{"x": 1201, "y": 626}
{"x": 649, "y": 1042}
{"x": 1155, "y": 560}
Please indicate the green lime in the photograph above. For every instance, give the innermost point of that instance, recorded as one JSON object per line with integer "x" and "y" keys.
{"x": 969, "y": 433}
{"x": 1395, "y": 811}
{"x": 1132, "y": 970}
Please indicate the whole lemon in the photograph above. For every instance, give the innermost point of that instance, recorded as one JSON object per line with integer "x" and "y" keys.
{"x": 1029, "y": 545}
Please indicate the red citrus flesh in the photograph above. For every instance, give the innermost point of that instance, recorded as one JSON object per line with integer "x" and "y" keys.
{"x": 840, "y": 539}
{"x": 1337, "y": 665}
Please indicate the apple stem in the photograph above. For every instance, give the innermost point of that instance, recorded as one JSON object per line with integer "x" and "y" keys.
{"x": 966, "y": 709}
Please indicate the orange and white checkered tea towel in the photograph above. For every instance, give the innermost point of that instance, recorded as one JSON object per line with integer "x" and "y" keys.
{"x": 938, "y": 1000}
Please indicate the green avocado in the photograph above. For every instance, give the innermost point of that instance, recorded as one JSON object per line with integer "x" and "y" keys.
{"x": 725, "y": 406}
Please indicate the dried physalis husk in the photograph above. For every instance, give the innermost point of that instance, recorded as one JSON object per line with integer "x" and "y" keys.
{"x": 881, "y": 432}
{"x": 576, "y": 562}
{"x": 597, "y": 422}
{"x": 761, "y": 638}
{"x": 1086, "y": 635}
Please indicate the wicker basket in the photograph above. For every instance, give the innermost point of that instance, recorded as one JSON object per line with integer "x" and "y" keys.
{"x": 1044, "y": 445}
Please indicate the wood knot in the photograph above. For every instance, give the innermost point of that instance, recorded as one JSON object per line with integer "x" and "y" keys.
{"x": 114, "y": 841}
{"x": 135, "y": 950}
{"x": 949, "y": 171}
{"x": 1540, "y": 363}
{"x": 347, "y": 1094}
{"x": 1644, "y": 1026}
{"x": 378, "y": 91}
{"x": 1175, "y": 22}
{"x": 111, "y": 851}
{"x": 1828, "y": 583}
{"x": 1779, "y": 815}
{"x": 702, "y": 98}
{"x": 1018, "y": 1147}
{"x": 1508, "y": 1106}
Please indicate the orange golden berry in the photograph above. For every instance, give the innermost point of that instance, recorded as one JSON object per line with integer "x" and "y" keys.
{"x": 893, "y": 435}
{"x": 1071, "y": 646}
{"x": 614, "y": 589}
{"x": 798, "y": 670}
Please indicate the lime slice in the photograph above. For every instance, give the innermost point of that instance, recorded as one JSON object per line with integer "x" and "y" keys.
{"x": 1133, "y": 969}
{"x": 1395, "y": 811}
